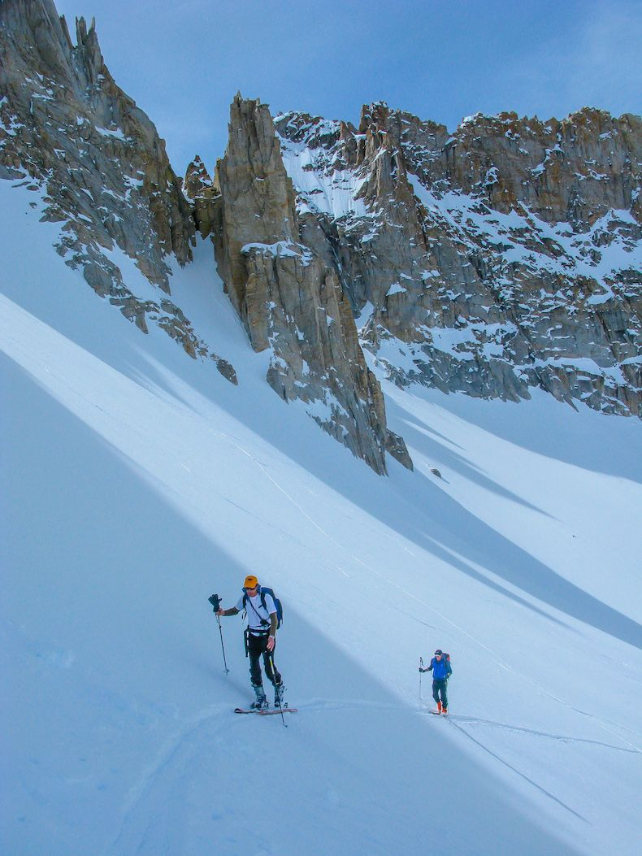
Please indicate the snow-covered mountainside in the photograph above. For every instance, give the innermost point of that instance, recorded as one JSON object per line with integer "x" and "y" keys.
{"x": 495, "y": 260}
{"x": 141, "y": 481}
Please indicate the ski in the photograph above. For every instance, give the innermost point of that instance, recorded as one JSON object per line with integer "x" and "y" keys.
{"x": 437, "y": 713}
{"x": 274, "y": 712}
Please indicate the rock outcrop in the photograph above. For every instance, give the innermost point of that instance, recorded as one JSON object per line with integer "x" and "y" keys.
{"x": 290, "y": 301}
{"x": 202, "y": 195}
{"x": 503, "y": 257}
{"x": 68, "y": 131}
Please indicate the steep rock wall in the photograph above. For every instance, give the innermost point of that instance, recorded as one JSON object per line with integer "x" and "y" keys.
{"x": 503, "y": 257}
{"x": 289, "y": 300}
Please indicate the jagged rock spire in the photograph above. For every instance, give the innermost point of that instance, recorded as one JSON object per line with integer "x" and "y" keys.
{"x": 289, "y": 300}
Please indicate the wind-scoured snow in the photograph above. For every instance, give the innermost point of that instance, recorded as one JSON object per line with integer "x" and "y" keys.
{"x": 140, "y": 481}
{"x": 321, "y": 187}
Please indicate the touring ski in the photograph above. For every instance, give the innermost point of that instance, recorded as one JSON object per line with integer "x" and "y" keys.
{"x": 273, "y": 712}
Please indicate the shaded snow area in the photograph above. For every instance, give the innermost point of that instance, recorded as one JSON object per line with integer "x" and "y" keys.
{"x": 141, "y": 481}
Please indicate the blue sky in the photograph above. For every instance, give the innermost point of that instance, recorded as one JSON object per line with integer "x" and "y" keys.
{"x": 183, "y": 61}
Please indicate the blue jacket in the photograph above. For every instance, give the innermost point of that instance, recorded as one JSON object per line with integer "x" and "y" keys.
{"x": 441, "y": 669}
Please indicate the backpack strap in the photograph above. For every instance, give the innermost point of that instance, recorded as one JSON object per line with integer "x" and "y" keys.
{"x": 247, "y": 600}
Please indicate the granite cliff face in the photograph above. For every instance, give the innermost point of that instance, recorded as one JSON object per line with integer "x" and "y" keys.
{"x": 503, "y": 257}
{"x": 68, "y": 131}
{"x": 288, "y": 298}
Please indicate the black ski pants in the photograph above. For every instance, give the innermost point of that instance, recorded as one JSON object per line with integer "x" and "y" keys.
{"x": 257, "y": 648}
{"x": 439, "y": 687}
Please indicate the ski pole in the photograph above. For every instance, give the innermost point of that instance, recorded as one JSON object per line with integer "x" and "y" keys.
{"x": 271, "y": 661}
{"x": 421, "y": 665}
{"x": 216, "y": 605}
{"x": 220, "y": 630}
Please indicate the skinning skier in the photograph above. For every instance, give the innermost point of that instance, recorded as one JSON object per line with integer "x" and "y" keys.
{"x": 441, "y": 671}
{"x": 260, "y": 639}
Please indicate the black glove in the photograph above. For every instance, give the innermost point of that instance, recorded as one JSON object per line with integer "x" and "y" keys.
{"x": 215, "y": 600}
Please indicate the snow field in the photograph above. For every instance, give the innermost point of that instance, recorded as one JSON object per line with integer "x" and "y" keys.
{"x": 141, "y": 481}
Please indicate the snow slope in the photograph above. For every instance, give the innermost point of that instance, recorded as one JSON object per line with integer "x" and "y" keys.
{"x": 137, "y": 482}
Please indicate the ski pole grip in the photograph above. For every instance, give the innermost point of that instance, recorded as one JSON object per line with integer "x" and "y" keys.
{"x": 215, "y": 600}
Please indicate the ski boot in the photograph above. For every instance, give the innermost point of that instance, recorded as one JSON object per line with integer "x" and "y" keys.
{"x": 261, "y": 702}
{"x": 444, "y": 710}
{"x": 438, "y": 707}
{"x": 279, "y": 692}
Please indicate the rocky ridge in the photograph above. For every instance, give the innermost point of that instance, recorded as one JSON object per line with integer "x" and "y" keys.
{"x": 68, "y": 132}
{"x": 496, "y": 259}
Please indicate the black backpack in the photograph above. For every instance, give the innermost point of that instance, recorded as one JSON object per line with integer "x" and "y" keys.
{"x": 279, "y": 606}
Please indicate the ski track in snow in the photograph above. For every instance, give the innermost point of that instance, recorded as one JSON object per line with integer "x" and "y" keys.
{"x": 139, "y": 829}
{"x": 519, "y": 773}
{"x": 138, "y": 826}
{"x": 168, "y": 765}
{"x": 564, "y": 737}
